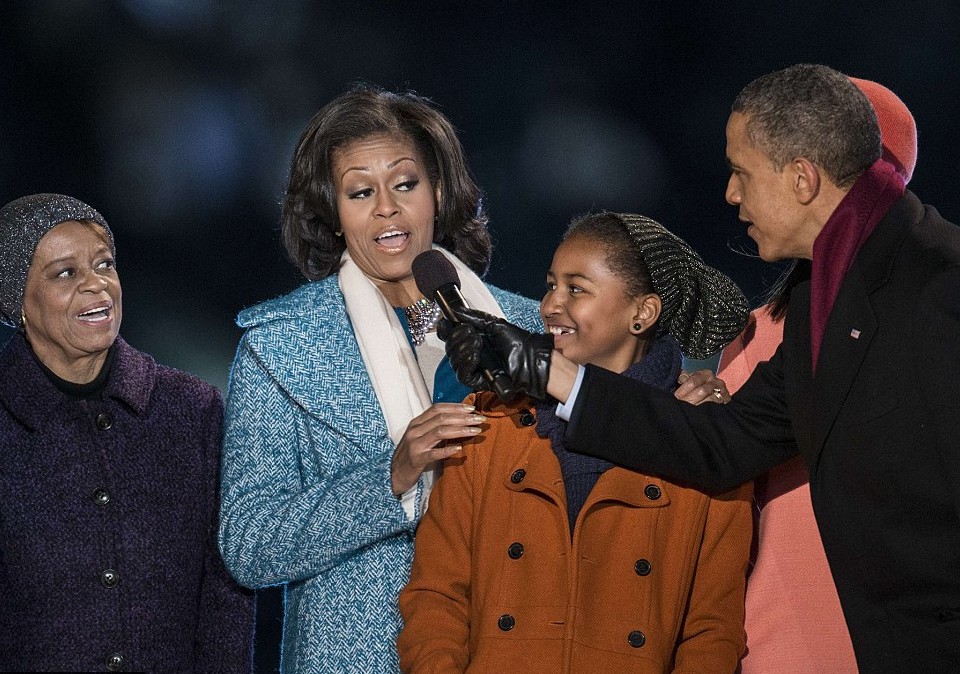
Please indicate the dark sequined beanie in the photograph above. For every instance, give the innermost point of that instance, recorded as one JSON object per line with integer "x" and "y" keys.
{"x": 701, "y": 307}
{"x": 23, "y": 222}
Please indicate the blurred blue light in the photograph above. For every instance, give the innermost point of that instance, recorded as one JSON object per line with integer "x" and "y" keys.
{"x": 172, "y": 16}
{"x": 581, "y": 154}
{"x": 176, "y": 153}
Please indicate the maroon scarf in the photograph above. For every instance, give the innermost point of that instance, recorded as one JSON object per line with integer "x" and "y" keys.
{"x": 837, "y": 245}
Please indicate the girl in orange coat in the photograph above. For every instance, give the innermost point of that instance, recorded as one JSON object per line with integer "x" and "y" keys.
{"x": 534, "y": 559}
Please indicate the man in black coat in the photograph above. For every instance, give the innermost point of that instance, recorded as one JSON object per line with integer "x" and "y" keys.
{"x": 862, "y": 385}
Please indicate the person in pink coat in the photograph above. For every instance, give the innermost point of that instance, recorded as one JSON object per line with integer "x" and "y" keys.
{"x": 794, "y": 622}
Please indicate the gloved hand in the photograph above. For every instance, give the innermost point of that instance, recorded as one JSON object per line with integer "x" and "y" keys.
{"x": 463, "y": 344}
{"x": 524, "y": 355}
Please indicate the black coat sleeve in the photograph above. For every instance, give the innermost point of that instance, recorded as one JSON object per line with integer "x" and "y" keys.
{"x": 711, "y": 447}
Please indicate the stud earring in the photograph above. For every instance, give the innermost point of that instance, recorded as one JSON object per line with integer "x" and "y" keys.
{"x": 339, "y": 232}
{"x": 638, "y": 327}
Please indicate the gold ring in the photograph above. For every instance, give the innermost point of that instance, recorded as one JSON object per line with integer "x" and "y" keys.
{"x": 719, "y": 393}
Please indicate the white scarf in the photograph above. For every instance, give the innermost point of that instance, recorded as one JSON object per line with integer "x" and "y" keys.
{"x": 390, "y": 361}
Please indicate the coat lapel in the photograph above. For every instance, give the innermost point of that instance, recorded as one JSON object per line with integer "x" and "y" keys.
{"x": 327, "y": 377}
{"x": 630, "y": 488}
{"x": 542, "y": 474}
{"x": 852, "y": 325}
{"x": 846, "y": 340}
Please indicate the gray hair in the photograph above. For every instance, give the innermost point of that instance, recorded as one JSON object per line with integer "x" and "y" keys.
{"x": 815, "y": 112}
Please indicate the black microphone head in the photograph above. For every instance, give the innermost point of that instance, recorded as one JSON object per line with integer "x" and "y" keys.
{"x": 432, "y": 270}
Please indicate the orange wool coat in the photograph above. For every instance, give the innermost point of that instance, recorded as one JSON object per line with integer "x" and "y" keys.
{"x": 653, "y": 580}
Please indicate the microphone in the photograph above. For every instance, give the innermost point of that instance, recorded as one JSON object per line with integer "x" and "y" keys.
{"x": 437, "y": 278}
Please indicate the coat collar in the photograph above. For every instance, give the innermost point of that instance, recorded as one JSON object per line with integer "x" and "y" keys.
{"x": 541, "y": 469}
{"x": 32, "y": 398}
{"x": 306, "y": 342}
{"x": 875, "y": 260}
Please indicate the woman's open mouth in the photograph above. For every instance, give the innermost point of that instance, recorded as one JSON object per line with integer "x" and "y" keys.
{"x": 392, "y": 239}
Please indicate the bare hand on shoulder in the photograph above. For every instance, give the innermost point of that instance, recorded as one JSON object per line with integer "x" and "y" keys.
{"x": 431, "y": 436}
{"x": 700, "y": 387}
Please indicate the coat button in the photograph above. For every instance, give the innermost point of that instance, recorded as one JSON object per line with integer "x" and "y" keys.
{"x": 652, "y": 492}
{"x": 114, "y": 662}
{"x": 518, "y": 476}
{"x": 515, "y": 550}
{"x": 104, "y": 421}
{"x": 109, "y": 578}
{"x": 101, "y": 496}
{"x": 527, "y": 418}
{"x": 506, "y": 622}
{"x": 636, "y": 639}
{"x": 642, "y": 567}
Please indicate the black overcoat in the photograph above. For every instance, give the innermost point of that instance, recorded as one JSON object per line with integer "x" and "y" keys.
{"x": 878, "y": 426}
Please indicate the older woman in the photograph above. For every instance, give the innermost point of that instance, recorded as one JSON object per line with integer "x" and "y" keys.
{"x": 108, "y": 472}
{"x": 340, "y": 398}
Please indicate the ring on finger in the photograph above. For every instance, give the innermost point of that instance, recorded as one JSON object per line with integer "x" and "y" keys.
{"x": 718, "y": 392}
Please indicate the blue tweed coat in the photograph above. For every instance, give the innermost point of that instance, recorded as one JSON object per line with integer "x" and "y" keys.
{"x": 306, "y": 497}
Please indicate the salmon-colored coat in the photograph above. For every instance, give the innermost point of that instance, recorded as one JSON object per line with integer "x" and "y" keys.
{"x": 793, "y": 619}
{"x": 653, "y": 580}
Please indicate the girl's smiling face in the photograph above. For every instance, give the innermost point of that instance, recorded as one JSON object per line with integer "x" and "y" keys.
{"x": 588, "y": 310}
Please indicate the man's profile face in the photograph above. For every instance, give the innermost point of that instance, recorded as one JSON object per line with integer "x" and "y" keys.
{"x": 765, "y": 197}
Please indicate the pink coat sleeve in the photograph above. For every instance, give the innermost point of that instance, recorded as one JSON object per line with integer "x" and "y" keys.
{"x": 758, "y": 342}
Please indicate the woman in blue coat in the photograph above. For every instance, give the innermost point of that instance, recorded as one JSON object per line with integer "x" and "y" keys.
{"x": 108, "y": 472}
{"x": 341, "y": 400}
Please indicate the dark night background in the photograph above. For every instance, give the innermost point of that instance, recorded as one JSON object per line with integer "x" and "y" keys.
{"x": 176, "y": 119}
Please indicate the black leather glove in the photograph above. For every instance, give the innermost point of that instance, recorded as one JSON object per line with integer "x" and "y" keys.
{"x": 463, "y": 344}
{"x": 525, "y": 356}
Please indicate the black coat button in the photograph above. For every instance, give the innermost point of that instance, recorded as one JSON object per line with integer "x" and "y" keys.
{"x": 515, "y": 550}
{"x": 109, "y": 578}
{"x": 642, "y": 567}
{"x": 104, "y": 421}
{"x": 636, "y": 639}
{"x": 518, "y": 476}
{"x": 114, "y": 662}
{"x": 101, "y": 496}
{"x": 527, "y": 418}
{"x": 652, "y": 492}
{"x": 506, "y": 622}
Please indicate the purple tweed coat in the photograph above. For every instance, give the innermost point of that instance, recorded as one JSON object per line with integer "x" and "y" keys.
{"x": 108, "y": 548}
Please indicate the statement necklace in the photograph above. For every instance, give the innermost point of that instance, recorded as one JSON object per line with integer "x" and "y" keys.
{"x": 422, "y": 316}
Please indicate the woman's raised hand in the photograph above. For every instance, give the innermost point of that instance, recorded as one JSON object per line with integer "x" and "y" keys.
{"x": 431, "y": 436}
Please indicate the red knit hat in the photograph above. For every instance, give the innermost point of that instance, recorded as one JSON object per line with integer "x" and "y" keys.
{"x": 898, "y": 131}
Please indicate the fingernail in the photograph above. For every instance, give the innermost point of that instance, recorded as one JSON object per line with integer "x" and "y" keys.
{"x": 473, "y": 430}
{"x": 469, "y": 408}
{"x": 477, "y": 418}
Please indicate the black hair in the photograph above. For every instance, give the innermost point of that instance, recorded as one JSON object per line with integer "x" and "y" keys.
{"x": 309, "y": 219}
